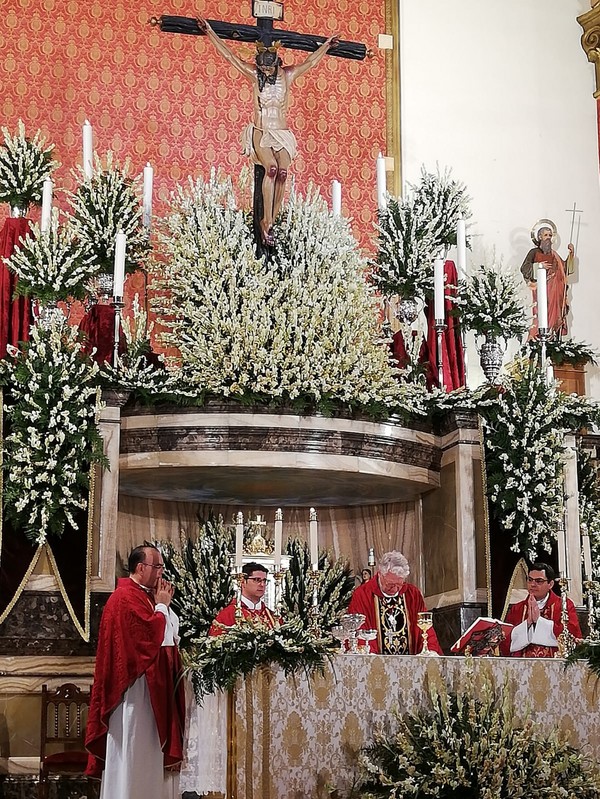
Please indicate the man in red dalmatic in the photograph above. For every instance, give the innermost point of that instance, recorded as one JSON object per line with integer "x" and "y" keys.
{"x": 390, "y": 605}
{"x": 537, "y": 619}
{"x": 254, "y": 585}
{"x": 137, "y": 709}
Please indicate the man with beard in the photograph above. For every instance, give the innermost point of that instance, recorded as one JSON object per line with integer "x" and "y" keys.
{"x": 268, "y": 140}
{"x": 556, "y": 276}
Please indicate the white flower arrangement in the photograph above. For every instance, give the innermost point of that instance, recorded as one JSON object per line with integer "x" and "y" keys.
{"x": 51, "y": 266}
{"x": 490, "y": 304}
{"x": 24, "y": 165}
{"x": 305, "y": 324}
{"x": 523, "y": 437}
{"x": 50, "y": 408}
{"x": 413, "y": 231}
{"x": 102, "y": 206}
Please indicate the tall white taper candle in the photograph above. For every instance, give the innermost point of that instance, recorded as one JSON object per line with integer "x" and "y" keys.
{"x": 314, "y": 539}
{"x": 336, "y": 197}
{"x": 461, "y": 249}
{"x": 88, "y": 150}
{"x": 147, "y": 199}
{"x": 239, "y": 539}
{"x": 587, "y": 557}
{"x": 381, "y": 182}
{"x": 46, "y": 204}
{"x": 438, "y": 290}
{"x": 278, "y": 539}
{"x": 562, "y": 552}
{"x": 119, "y": 273}
{"x": 542, "y": 298}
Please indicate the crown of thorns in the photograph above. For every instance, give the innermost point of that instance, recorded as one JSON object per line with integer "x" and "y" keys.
{"x": 260, "y": 47}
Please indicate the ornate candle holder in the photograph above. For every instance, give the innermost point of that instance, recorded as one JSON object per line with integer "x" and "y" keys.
{"x": 592, "y": 587}
{"x": 351, "y": 622}
{"x": 313, "y": 589}
{"x": 238, "y": 577}
{"x": 278, "y": 576}
{"x": 118, "y": 305}
{"x": 440, "y": 328}
{"x": 543, "y": 336}
{"x": 425, "y": 623}
{"x": 566, "y": 642}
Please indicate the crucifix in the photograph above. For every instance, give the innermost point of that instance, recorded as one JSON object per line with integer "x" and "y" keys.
{"x": 267, "y": 140}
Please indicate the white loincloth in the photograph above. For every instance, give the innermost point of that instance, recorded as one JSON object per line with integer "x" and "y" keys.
{"x": 274, "y": 139}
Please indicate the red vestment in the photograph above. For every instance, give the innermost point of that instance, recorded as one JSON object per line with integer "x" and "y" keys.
{"x": 226, "y": 617}
{"x": 551, "y": 611}
{"x": 363, "y": 601}
{"x": 129, "y": 645}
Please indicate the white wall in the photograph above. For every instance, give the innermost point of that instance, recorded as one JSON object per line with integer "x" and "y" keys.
{"x": 501, "y": 92}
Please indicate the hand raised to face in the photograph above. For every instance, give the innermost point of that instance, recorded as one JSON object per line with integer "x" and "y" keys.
{"x": 163, "y": 593}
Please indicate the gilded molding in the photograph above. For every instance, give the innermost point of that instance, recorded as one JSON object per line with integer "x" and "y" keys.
{"x": 590, "y": 41}
{"x": 392, "y": 97}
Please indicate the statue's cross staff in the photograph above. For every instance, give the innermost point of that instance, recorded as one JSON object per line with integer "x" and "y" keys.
{"x": 264, "y": 11}
{"x": 570, "y": 266}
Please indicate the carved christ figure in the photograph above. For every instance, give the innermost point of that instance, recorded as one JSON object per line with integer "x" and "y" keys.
{"x": 268, "y": 140}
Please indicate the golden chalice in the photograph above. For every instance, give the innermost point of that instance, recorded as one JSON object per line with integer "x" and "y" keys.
{"x": 425, "y": 623}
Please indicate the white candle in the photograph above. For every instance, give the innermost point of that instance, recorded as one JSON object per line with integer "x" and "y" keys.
{"x": 542, "y": 298}
{"x": 46, "y": 205}
{"x": 278, "y": 539}
{"x": 336, "y": 197}
{"x": 239, "y": 539}
{"x": 371, "y": 559}
{"x": 438, "y": 290}
{"x": 88, "y": 150}
{"x": 147, "y": 199}
{"x": 381, "y": 182}
{"x": 562, "y": 552}
{"x": 461, "y": 249}
{"x": 119, "y": 273}
{"x": 587, "y": 557}
{"x": 314, "y": 542}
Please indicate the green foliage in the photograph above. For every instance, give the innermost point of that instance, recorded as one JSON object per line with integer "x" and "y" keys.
{"x": 334, "y": 587}
{"x": 24, "y": 165}
{"x": 565, "y": 351}
{"x": 489, "y": 304}
{"x": 471, "y": 745}
{"x": 218, "y": 662}
{"x": 102, "y": 206}
{"x": 53, "y": 438}
{"x": 201, "y": 576}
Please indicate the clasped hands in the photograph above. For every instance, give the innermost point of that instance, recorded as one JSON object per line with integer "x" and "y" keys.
{"x": 533, "y": 610}
{"x": 163, "y": 593}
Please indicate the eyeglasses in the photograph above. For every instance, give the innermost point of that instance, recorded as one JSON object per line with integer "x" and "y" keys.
{"x": 153, "y": 565}
{"x": 259, "y": 580}
{"x": 537, "y": 580}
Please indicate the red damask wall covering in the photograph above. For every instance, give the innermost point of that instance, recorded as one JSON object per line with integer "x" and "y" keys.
{"x": 173, "y": 101}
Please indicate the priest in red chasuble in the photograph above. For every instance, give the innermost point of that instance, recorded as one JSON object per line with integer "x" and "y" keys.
{"x": 254, "y": 585}
{"x": 391, "y": 606}
{"x": 137, "y": 709}
{"x": 537, "y": 619}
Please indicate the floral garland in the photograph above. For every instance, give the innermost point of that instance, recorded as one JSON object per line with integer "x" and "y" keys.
{"x": 51, "y": 407}
{"x": 471, "y": 744}
{"x": 489, "y": 304}
{"x": 102, "y": 206}
{"x": 51, "y": 266}
{"x": 304, "y": 325}
{"x": 24, "y": 165}
{"x": 203, "y": 586}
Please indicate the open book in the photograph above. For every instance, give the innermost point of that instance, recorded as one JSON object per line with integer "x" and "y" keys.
{"x": 482, "y": 637}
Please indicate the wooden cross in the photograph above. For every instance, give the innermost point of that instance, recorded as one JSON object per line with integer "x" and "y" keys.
{"x": 264, "y": 11}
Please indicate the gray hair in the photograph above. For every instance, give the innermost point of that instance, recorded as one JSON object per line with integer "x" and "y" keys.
{"x": 394, "y": 563}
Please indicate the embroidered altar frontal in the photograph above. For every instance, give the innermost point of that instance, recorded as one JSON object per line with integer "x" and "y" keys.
{"x": 293, "y": 738}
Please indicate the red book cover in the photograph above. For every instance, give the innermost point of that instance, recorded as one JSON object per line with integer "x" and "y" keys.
{"x": 482, "y": 637}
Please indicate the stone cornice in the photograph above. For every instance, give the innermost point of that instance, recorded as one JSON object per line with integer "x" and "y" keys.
{"x": 590, "y": 41}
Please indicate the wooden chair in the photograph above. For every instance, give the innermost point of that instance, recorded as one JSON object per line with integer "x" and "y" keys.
{"x": 62, "y": 748}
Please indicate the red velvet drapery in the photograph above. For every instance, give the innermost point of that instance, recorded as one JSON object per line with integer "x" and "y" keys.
{"x": 15, "y": 313}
